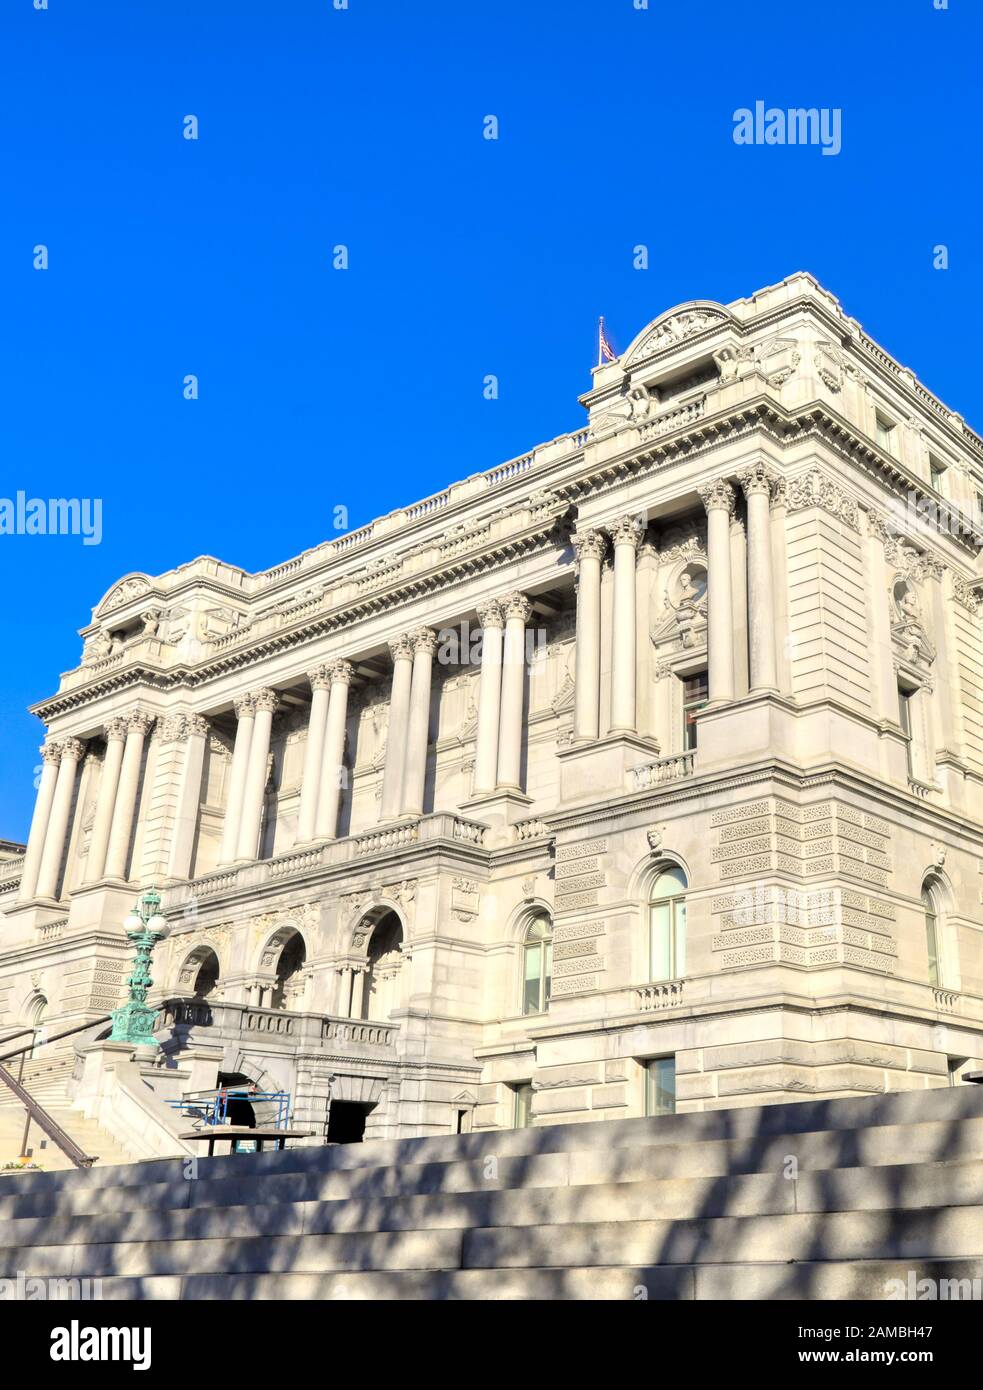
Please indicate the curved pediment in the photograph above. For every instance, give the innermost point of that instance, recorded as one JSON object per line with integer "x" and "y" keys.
{"x": 129, "y": 587}
{"x": 674, "y": 327}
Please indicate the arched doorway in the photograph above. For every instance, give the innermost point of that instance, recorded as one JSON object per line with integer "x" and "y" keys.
{"x": 385, "y": 965}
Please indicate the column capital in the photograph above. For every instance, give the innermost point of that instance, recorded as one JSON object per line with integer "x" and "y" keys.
{"x": 779, "y": 492}
{"x": 116, "y": 728}
{"x": 341, "y": 672}
{"x": 589, "y": 545}
{"x": 320, "y": 676}
{"x": 195, "y": 725}
{"x": 139, "y": 722}
{"x": 424, "y": 640}
{"x": 72, "y": 748}
{"x": 244, "y": 704}
{"x": 266, "y": 699}
{"x": 50, "y": 753}
{"x": 490, "y": 613}
{"x": 401, "y": 648}
{"x": 757, "y": 480}
{"x": 718, "y": 495}
{"x": 517, "y": 605}
{"x": 629, "y": 530}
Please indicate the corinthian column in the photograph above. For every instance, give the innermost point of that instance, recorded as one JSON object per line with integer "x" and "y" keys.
{"x": 589, "y": 547}
{"x": 265, "y": 702}
{"x": 106, "y": 805}
{"x": 192, "y": 730}
{"x": 310, "y": 783}
{"x": 333, "y": 766}
{"x": 245, "y": 709}
{"x": 756, "y": 483}
{"x": 121, "y": 829}
{"x": 489, "y": 698}
{"x": 518, "y": 611}
{"x": 718, "y": 498}
{"x": 399, "y": 710}
{"x": 72, "y": 750}
{"x": 50, "y": 757}
{"x": 418, "y": 725}
{"x": 627, "y": 537}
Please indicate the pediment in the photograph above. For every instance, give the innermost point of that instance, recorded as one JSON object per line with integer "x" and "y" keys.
{"x": 675, "y": 327}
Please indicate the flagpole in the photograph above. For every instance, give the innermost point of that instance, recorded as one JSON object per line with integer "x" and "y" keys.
{"x": 600, "y": 338}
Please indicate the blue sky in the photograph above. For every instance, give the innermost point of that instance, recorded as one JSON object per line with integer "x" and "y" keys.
{"x": 362, "y": 388}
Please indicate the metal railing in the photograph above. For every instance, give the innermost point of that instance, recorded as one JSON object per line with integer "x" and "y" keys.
{"x": 36, "y": 1112}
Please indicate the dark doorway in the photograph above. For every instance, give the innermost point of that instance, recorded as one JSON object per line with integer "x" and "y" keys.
{"x": 346, "y": 1122}
{"x": 240, "y": 1111}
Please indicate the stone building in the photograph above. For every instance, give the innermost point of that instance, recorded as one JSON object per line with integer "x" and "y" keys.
{"x": 642, "y": 772}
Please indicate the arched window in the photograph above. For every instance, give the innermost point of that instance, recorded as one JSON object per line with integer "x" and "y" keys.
{"x": 667, "y": 925}
{"x": 930, "y": 907}
{"x": 537, "y": 966}
{"x": 289, "y": 980}
{"x": 39, "y": 1008}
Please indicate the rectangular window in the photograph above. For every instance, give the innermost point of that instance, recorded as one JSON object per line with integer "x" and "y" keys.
{"x": 937, "y": 472}
{"x": 696, "y": 693}
{"x": 522, "y": 1115}
{"x": 932, "y": 943}
{"x": 885, "y": 432}
{"x": 904, "y": 719}
{"x": 660, "y": 1086}
{"x": 668, "y": 937}
{"x": 979, "y": 508}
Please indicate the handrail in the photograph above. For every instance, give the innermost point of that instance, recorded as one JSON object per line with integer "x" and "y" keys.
{"x": 44, "y": 1121}
{"x": 79, "y": 1028}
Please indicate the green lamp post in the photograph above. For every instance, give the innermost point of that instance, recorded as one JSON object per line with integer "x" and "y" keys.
{"x": 133, "y": 1022}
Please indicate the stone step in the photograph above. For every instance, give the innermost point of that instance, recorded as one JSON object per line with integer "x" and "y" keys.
{"x": 265, "y": 1179}
{"x": 680, "y": 1199}
{"x": 91, "y": 1139}
{"x": 946, "y": 1105}
{"x": 807, "y": 1281}
{"x": 954, "y": 1233}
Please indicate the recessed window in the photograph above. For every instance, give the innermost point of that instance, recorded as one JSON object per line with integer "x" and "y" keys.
{"x": 667, "y": 925}
{"x": 522, "y": 1109}
{"x": 695, "y": 696}
{"x": 937, "y": 471}
{"x": 905, "y": 698}
{"x": 931, "y": 933}
{"x": 885, "y": 432}
{"x": 660, "y": 1086}
{"x": 537, "y": 966}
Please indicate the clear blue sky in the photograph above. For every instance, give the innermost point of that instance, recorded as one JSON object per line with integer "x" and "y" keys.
{"x": 321, "y": 388}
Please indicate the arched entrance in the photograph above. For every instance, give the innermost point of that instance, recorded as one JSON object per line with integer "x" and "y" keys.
{"x": 289, "y": 987}
{"x": 383, "y": 976}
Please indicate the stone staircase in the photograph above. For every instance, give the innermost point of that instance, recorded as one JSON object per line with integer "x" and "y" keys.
{"x": 46, "y": 1077}
{"x": 820, "y": 1199}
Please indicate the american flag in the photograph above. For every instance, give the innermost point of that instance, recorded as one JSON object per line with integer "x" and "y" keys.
{"x": 605, "y": 352}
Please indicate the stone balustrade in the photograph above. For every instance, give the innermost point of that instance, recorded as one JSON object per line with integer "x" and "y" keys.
{"x": 227, "y": 1021}
{"x": 661, "y": 994}
{"x": 670, "y": 769}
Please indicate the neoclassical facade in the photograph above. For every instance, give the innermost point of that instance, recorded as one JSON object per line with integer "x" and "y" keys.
{"x": 643, "y": 772}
